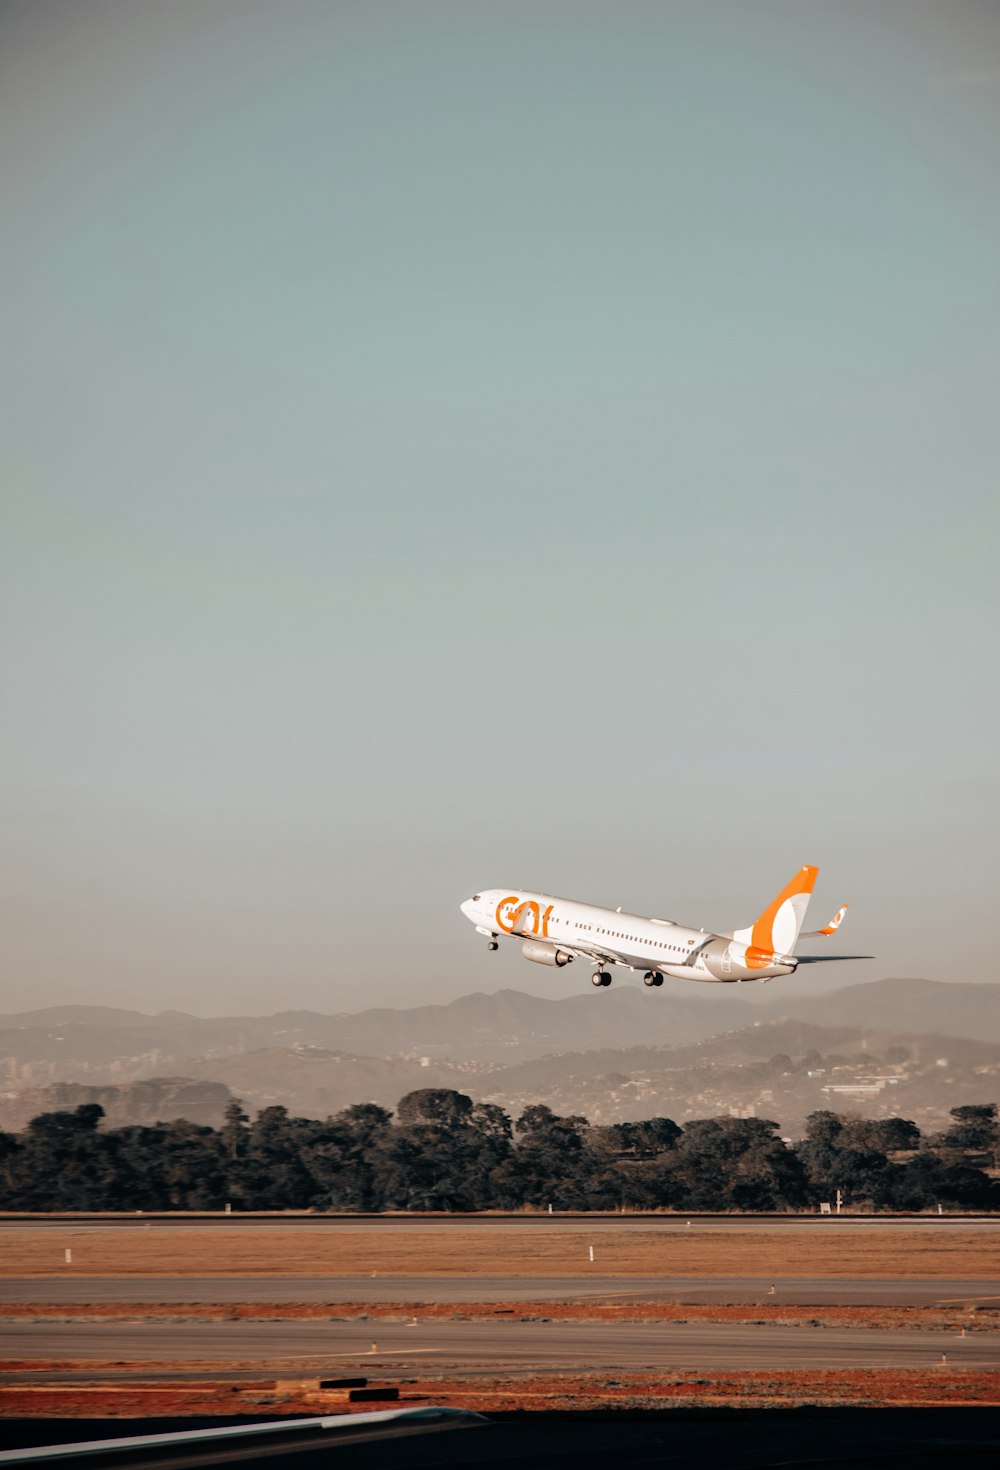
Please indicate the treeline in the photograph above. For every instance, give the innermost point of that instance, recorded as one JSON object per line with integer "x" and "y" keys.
{"x": 445, "y": 1152}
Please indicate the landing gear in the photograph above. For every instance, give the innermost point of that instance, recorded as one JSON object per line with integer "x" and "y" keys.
{"x": 493, "y": 944}
{"x": 601, "y": 977}
{"x": 652, "y": 978}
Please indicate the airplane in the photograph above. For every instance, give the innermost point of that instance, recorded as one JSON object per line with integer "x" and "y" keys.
{"x": 556, "y": 931}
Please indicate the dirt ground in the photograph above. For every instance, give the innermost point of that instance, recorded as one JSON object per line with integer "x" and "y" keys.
{"x": 99, "y": 1251}
{"x": 157, "y": 1251}
{"x": 549, "y": 1392}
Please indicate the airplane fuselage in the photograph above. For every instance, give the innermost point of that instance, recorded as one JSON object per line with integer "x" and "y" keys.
{"x": 555, "y": 930}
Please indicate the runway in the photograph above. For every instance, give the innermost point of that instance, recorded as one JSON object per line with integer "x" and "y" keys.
{"x": 429, "y": 1347}
{"x": 796, "y": 1291}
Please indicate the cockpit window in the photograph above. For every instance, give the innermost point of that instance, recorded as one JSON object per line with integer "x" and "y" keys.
{"x": 476, "y": 897}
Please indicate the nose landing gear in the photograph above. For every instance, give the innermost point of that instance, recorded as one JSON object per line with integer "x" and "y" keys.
{"x": 493, "y": 944}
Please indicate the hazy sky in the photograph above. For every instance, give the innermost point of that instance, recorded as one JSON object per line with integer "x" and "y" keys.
{"x": 457, "y": 444}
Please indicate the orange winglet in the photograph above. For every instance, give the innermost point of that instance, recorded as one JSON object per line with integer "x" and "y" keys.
{"x": 835, "y": 922}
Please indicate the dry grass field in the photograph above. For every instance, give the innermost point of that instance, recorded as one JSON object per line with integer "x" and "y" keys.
{"x": 657, "y": 1254}
{"x": 565, "y": 1391}
{"x": 99, "y": 1251}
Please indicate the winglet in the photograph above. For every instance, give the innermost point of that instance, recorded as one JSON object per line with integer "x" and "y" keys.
{"x": 830, "y": 928}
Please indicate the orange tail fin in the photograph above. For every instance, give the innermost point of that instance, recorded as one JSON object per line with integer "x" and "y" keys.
{"x": 778, "y": 928}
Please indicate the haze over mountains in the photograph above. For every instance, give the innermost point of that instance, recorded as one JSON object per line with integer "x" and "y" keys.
{"x": 502, "y": 1026}
{"x": 886, "y": 1046}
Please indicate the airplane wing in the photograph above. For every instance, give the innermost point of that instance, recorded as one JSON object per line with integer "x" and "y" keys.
{"x": 329, "y": 1431}
{"x": 578, "y": 951}
{"x": 583, "y": 952}
{"x": 602, "y": 956}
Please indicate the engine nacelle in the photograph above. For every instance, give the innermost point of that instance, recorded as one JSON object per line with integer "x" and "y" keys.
{"x": 545, "y": 954}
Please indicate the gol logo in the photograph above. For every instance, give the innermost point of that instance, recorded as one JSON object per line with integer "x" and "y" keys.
{"x": 515, "y": 915}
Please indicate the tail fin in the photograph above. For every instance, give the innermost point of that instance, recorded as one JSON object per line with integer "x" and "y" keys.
{"x": 777, "y": 929}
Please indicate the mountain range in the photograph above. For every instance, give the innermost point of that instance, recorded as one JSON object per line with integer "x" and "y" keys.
{"x": 614, "y": 1054}
{"x": 503, "y": 1026}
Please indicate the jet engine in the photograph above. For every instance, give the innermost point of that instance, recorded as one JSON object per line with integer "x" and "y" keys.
{"x": 545, "y": 954}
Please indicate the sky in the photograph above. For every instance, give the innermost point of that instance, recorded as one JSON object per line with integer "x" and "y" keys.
{"x": 448, "y": 445}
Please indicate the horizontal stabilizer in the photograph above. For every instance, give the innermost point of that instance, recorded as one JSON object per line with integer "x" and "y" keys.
{"x": 826, "y": 959}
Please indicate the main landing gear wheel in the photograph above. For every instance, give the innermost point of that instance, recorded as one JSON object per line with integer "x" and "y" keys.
{"x": 601, "y": 977}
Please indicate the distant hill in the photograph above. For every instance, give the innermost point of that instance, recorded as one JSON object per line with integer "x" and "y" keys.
{"x": 100, "y": 1044}
{"x": 316, "y": 1083}
{"x": 476, "y": 1027}
{"x": 76, "y": 1016}
{"x": 916, "y": 1048}
{"x": 951, "y": 1009}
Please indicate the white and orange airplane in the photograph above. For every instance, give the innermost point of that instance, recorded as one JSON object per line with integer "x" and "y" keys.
{"x": 556, "y": 931}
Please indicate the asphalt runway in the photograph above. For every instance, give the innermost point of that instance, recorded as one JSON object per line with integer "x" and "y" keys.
{"x": 797, "y": 1291}
{"x": 429, "y": 1347}
{"x": 559, "y": 1222}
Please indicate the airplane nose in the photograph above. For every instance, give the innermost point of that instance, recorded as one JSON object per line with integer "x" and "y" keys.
{"x": 466, "y": 907}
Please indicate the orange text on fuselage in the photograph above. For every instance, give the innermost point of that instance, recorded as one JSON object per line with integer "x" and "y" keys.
{"x": 525, "y": 917}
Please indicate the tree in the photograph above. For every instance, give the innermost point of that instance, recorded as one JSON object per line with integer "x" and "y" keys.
{"x": 551, "y": 1163}
{"x": 928, "y": 1180}
{"x": 275, "y": 1174}
{"x": 193, "y": 1166}
{"x": 975, "y": 1128}
{"x": 644, "y": 1140}
{"x": 64, "y": 1162}
{"x": 492, "y": 1131}
{"x": 235, "y": 1132}
{"x": 740, "y": 1163}
{"x": 880, "y": 1135}
{"x": 342, "y": 1158}
{"x": 823, "y": 1127}
{"x": 10, "y": 1150}
{"x": 440, "y": 1106}
{"x": 440, "y": 1154}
